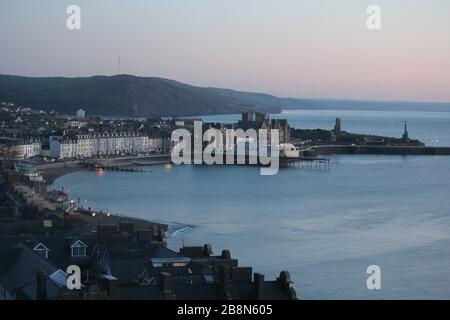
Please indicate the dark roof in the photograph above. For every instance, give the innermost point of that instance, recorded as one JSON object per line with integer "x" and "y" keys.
{"x": 183, "y": 292}
{"x": 9, "y": 228}
{"x": 60, "y": 252}
{"x": 32, "y": 227}
{"x": 7, "y": 256}
{"x": 127, "y": 271}
{"x": 9, "y": 241}
{"x": 147, "y": 251}
{"x": 20, "y": 274}
{"x": 202, "y": 291}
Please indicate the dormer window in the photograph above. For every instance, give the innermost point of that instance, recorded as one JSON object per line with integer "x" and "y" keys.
{"x": 41, "y": 250}
{"x": 78, "y": 249}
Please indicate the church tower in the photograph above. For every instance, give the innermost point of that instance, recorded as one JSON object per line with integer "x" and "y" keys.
{"x": 405, "y": 136}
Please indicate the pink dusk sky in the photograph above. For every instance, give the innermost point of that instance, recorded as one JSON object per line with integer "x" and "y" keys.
{"x": 291, "y": 48}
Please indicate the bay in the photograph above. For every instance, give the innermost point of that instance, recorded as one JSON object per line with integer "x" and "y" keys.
{"x": 324, "y": 226}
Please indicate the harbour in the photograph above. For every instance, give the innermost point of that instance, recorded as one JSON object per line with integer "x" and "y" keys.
{"x": 327, "y": 226}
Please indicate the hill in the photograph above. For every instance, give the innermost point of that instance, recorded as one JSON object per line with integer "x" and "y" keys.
{"x": 128, "y": 95}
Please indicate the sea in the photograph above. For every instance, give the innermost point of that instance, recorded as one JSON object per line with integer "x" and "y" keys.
{"x": 327, "y": 227}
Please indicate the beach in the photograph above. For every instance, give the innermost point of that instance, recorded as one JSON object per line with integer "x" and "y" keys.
{"x": 52, "y": 173}
{"x": 93, "y": 218}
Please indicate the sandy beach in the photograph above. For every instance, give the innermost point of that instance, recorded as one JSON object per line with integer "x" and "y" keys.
{"x": 51, "y": 174}
{"x": 54, "y": 171}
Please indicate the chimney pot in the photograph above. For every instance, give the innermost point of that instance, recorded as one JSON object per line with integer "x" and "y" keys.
{"x": 225, "y": 281}
{"x": 166, "y": 283}
{"x": 207, "y": 250}
{"x": 226, "y": 254}
{"x": 41, "y": 285}
{"x": 259, "y": 285}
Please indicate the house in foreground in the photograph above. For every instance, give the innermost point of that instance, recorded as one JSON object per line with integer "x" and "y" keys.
{"x": 118, "y": 262}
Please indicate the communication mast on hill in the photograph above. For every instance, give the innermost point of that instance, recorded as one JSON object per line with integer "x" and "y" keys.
{"x": 118, "y": 65}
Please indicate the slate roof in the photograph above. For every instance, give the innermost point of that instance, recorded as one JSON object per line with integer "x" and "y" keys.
{"x": 19, "y": 275}
{"x": 241, "y": 291}
{"x": 60, "y": 252}
{"x": 32, "y": 227}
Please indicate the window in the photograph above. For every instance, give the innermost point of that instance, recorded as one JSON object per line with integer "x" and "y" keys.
{"x": 41, "y": 250}
{"x": 78, "y": 249}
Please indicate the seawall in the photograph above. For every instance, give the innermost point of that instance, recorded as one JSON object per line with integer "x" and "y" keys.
{"x": 394, "y": 150}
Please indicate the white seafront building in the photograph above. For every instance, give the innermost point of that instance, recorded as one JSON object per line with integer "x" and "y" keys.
{"x": 17, "y": 149}
{"x": 98, "y": 144}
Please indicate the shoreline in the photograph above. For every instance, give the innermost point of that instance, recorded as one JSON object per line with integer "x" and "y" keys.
{"x": 102, "y": 218}
{"x": 52, "y": 173}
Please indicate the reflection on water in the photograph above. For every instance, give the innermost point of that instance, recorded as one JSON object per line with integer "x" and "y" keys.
{"x": 325, "y": 227}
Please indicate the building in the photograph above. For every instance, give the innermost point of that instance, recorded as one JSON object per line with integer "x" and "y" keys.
{"x": 405, "y": 136}
{"x": 337, "y": 126}
{"x": 60, "y": 198}
{"x": 19, "y": 148}
{"x": 63, "y": 148}
{"x": 77, "y": 124}
{"x": 154, "y": 272}
{"x": 283, "y": 129}
{"x": 189, "y": 122}
{"x": 123, "y": 262}
{"x": 258, "y": 120}
{"x": 98, "y": 144}
{"x": 155, "y": 145}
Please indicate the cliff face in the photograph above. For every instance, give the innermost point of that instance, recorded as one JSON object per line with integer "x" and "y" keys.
{"x": 130, "y": 95}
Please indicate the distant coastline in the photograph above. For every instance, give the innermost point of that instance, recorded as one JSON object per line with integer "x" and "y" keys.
{"x": 136, "y": 96}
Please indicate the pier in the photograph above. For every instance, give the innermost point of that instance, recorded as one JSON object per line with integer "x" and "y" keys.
{"x": 388, "y": 150}
{"x": 305, "y": 162}
{"x": 124, "y": 168}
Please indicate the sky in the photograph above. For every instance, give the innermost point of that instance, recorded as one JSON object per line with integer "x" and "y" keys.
{"x": 290, "y": 48}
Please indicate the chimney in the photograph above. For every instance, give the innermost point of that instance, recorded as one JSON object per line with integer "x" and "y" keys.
{"x": 207, "y": 250}
{"x": 258, "y": 279}
{"x": 41, "y": 285}
{"x": 226, "y": 254}
{"x": 287, "y": 284}
{"x": 242, "y": 274}
{"x": 225, "y": 282}
{"x": 145, "y": 235}
{"x": 104, "y": 232}
{"x": 128, "y": 227}
{"x": 166, "y": 284}
{"x": 118, "y": 242}
{"x": 159, "y": 233}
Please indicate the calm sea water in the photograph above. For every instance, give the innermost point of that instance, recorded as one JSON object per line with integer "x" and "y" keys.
{"x": 432, "y": 128}
{"x": 325, "y": 227}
